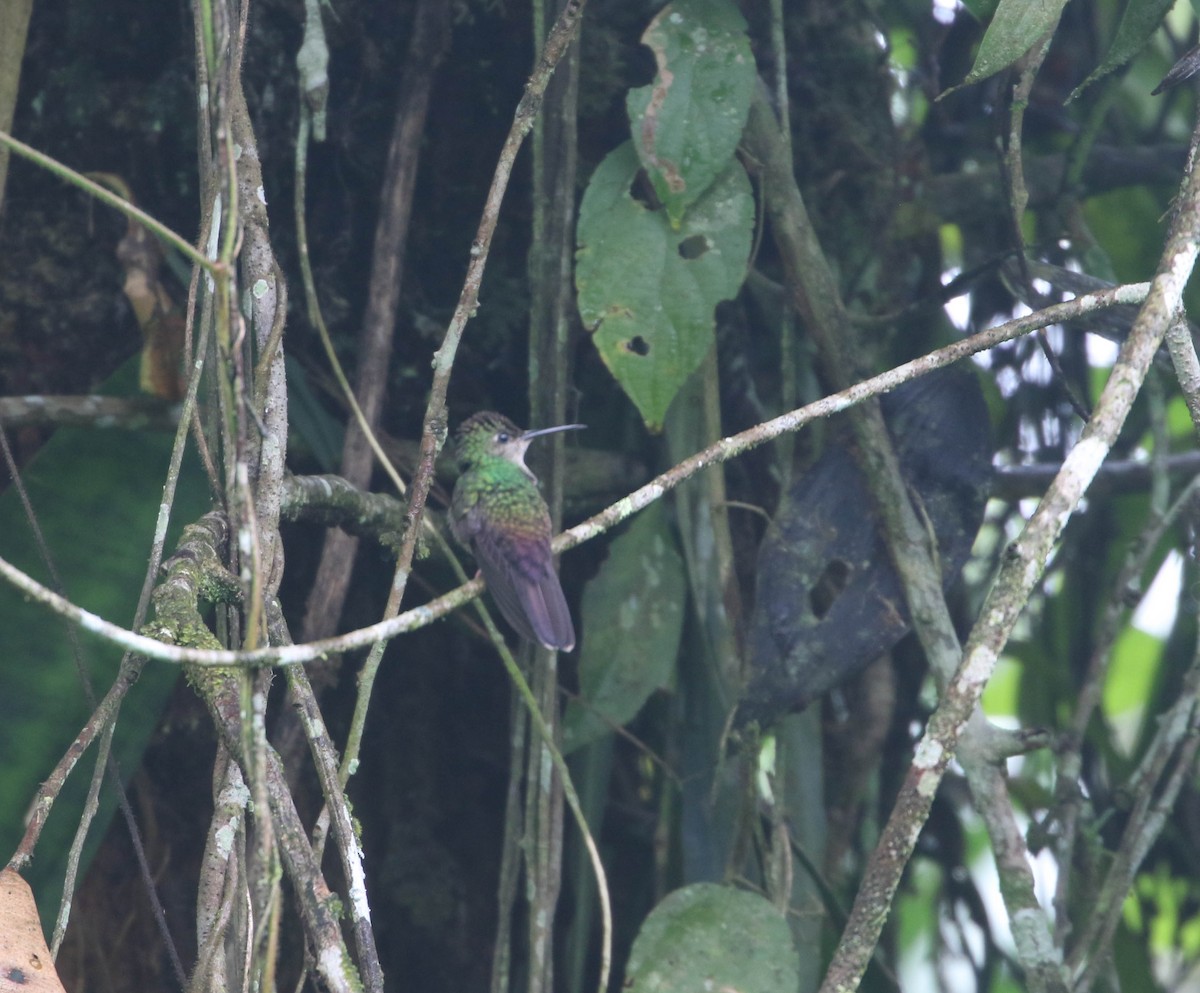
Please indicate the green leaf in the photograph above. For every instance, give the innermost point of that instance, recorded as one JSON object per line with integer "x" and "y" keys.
{"x": 688, "y": 122}
{"x": 1015, "y": 28}
{"x": 309, "y": 421}
{"x": 648, "y": 290}
{"x": 97, "y": 494}
{"x": 1138, "y": 23}
{"x": 1127, "y": 225}
{"x": 1129, "y": 687}
{"x": 710, "y": 937}
{"x": 981, "y": 10}
{"x": 632, "y": 622}
{"x": 1002, "y": 695}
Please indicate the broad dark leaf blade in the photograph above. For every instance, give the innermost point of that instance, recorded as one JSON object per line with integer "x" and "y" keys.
{"x": 829, "y": 601}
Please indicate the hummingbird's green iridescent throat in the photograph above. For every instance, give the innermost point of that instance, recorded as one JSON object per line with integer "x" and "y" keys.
{"x": 499, "y": 514}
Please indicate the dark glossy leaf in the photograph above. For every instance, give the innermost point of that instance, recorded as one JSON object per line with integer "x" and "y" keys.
{"x": 1138, "y": 23}
{"x": 829, "y": 600}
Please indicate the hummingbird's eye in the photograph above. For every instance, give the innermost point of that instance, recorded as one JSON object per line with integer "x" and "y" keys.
{"x": 502, "y": 437}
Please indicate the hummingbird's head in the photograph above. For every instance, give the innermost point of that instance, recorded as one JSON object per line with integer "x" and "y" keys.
{"x": 490, "y": 435}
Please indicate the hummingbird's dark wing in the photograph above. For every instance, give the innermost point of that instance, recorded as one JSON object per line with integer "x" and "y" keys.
{"x": 519, "y": 570}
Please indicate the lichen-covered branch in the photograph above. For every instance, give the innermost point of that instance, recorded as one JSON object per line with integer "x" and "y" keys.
{"x": 335, "y": 502}
{"x": 196, "y": 572}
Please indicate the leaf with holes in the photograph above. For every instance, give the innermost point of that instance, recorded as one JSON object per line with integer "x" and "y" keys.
{"x": 632, "y": 622}
{"x": 687, "y": 123}
{"x": 648, "y": 290}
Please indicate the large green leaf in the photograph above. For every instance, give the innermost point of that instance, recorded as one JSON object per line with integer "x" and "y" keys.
{"x": 632, "y": 621}
{"x": 647, "y": 289}
{"x": 710, "y": 937}
{"x": 1015, "y": 28}
{"x": 687, "y": 123}
{"x": 97, "y": 495}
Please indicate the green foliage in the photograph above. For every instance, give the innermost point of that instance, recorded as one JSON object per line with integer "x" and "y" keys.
{"x": 311, "y": 423}
{"x": 1159, "y": 916}
{"x": 903, "y": 192}
{"x": 713, "y": 937}
{"x": 647, "y": 287}
{"x": 649, "y": 275}
{"x": 1138, "y": 23}
{"x": 981, "y": 10}
{"x": 1128, "y": 224}
{"x": 916, "y": 906}
{"x": 632, "y": 621}
{"x": 1002, "y": 696}
{"x": 1129, "y": 689}
{"x": 1016, "y": 27}
{"x": 687, "y": 124}
{"x": 96, "y": 495}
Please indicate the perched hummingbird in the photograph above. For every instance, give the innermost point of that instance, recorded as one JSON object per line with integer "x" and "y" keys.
{"x": 498, "y": 513}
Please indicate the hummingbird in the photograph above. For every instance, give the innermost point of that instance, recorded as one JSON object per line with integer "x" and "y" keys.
{"x": 497, "y": 512}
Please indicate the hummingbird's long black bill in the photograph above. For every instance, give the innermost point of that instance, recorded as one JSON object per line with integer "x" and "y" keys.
{"x": 559, "y": 427}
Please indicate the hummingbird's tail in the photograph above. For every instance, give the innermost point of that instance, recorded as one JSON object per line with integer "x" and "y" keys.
{"x": 533, "y": 605}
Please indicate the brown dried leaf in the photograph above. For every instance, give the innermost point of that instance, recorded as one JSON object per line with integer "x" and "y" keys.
{"x": 160, "y": 320}
{"x": 25, "y": 962}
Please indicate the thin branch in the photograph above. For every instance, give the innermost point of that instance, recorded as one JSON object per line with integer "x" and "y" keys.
{"x": 552, "y": 752}
{"x": 349, "y": 847}
{"x": 104, "y": 716}
{"x": 105, "y": 195}
{"x": 427, "y": 46}
{"x": 1069, "y": 799}
{"x": 133, "y": 413}
{"x": 318, "y": 907}
{"x": 433, "y": 431}
{"x": 815, "y": 291}
{"x": 1014, "y": 163}
{"x": 1012, "y": 482}
{"x": 1169, "y": 763}
{"x": 722, "y": 451}
{"x": 1187, "y": 366}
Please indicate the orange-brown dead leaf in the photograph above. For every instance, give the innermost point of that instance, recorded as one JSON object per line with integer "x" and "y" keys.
{"x": 161, "y": 322}
{"x": 25, "y": 963}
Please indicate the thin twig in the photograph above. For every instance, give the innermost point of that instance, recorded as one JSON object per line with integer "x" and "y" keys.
{"x": 721, "y": 451}
{"x": 107, "y": 196}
